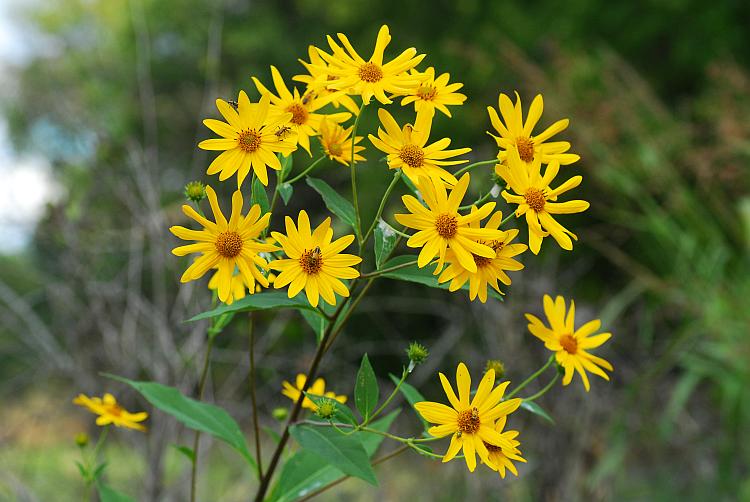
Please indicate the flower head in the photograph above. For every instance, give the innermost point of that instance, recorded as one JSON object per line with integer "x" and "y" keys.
{"x": 305, "y": 120}
{"x": 315, "y": 262}
{"x": 319, "y": 81}
{"x": 337, "y": 143}
{"x": 434, "y": 93}
{"x": 488, "y": 270}
{"x": 417, "y": 353}
{"x": 570, "y": 346}
{"x": 516, "y": 135}
{"x": 440, "y": 226}
{"x": 249, "y": 138}
{"x": 535, "y": 199}
{"x": 110, "y": 412}
{"x": 195, "y": 191}
{"x": 501, "y": 458}
{"x": 225, "y": 245}
{"x": 406, "y": 149}
{"x": 372, "y": 77}
{"x": 472, "y": 423}
{"x": 318, "y": 388}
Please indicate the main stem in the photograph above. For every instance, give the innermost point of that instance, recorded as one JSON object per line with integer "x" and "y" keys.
{"x": 387, "y": 194}
{"x": 253, "y": 400}
{"x": 353, "y": 171}
{"x": 197, "y": 437}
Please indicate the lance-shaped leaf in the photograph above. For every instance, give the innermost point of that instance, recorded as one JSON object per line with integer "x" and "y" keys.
{"x": 366, "y": 392}
{"x": 335, "y": 202}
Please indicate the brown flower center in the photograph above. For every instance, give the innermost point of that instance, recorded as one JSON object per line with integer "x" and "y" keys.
{"x": 446, "y": 225}
{"x": 249, "y": 140}
{"x": 569, "y": 343}
{"x": 370, "y": 72}
{"x": 412, "y": 156}
{"x": 115, "y": 410}
{"x": 335, "y": 149}
{"x": 311, "y": 261}
{"x": 299, "y": 113}
{"x": 481, "y": 261}
{"x": 427, "y": 92}
{"x": 468, "y": 421}
{"x": 229, "y": 244}
{"x": 525, "y": 148}
{"x": 535, "y": 199}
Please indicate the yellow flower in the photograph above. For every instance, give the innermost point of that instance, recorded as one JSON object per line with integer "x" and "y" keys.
{"x": 319, "y": 80}
{"x": 372, "y": 77}
{"x": 239, "y": 287}
{"x": 225, "y": 244}
{"x": 407, "y": 151}
{"x": 318, "y": 388}
{"x": 489, "y": 270}
{"x": 517, "y": 135}
{"x": 535, "y": 199}
{"x": 249, "y": 138}
{"x": 502, "y": 458}
{"x": 440, "y": 226}
{"x": 337, "y": 143}
{"x": 304, "y": 119}
{"x": 110, "y": 412}
{"x": 472, "y": 424}
{"x": 434, "y": 93}
{"x": 570, "y": 345}
{"x": 315, "y": 264}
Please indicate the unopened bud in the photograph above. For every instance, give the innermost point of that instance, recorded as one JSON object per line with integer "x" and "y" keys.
{"x": 280, "y": 413}
{"x": 82, "y": 439}
{"x": 195, "y": 191}
{"x": 497, "y": 366}
{"x": 417, "y": 353}
{"x": 326, "y": 409}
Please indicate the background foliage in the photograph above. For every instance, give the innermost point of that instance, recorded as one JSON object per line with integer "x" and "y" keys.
{"x": 657, "y": 93}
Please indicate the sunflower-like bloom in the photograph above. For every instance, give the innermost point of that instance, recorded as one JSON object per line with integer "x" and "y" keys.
{"x": 250, "y": 138}
{"x": 318, "y": 388}
{"x": 489, "y": 270}
{"x": 305, "y": 121}
{"x": 535, "y": 199}
{"x": 110, "y": 412}
{"x": 337, "y": 143}
{"x": 515, "y": 134}
{"x": 570, "y": 345}
{"x": 472, "y": 424}
{"x": 314, "y": 263}
{"x": 407, "y": 151}
{"x": 502, "y": 458}
{"x": 318, "y": 81}
{"x": 439, "y": 225}
{"x": 434, "y": 93}
{"x": 373, "y": 77}
{"x": 237, "y": 290}
{"x": 225, "y": 244}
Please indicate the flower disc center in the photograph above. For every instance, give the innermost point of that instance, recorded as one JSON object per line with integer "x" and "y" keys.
{"x": 446, "y": 225}
{"x": 299, "y": 113}
{"x": 525, "y": 148}
{"x": 569, "y": 343}
{"x": 311, "y": 261}
{"x": 468, "y": 421}
{"x": 427, "y": 92}
{"x": 370, "y": 72}
{"x": 412, "y": 156}
{"x": 535, "y": 199}
{"x": 249, "y": 140}
{"x": 229, "y": 244}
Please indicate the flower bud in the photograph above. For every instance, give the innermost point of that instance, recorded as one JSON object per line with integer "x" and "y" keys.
{"x": 498, "y": 366}
{"x": 326, "y": 409}
{"x": 280, "y": 413}
{"x": 82, "y": 439}
{"x": 195, "y": 191}
{"x": 417, "y": 353}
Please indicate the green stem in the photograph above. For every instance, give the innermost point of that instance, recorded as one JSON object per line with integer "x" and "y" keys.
{"x": 531, "y": 378}
{"x": 383, "y": 201}
{"x": 477, "y": 202}
{"x": 353, "y": 172}
{"x": 197, "y": 437}
{"x": 544, "y": 390}
{"x": 472, "y": 166}
{"x": 253, "y": 399}
{"x": 97, "y": 447}
{"x": 382, "y": 271}
{"x": 507, "y": 218}
{"x": 387, "y": 401}
{"x": 306, "y": 171}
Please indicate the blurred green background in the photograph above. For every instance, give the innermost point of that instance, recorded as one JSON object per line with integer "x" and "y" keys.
{"x": 101, "y": 104}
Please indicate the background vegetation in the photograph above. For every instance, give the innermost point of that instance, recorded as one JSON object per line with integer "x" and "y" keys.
{"x": 658, "y": 93}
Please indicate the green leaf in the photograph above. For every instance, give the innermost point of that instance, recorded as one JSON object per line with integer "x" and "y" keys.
{"x": 536, "y": 410}
{"x": 185, "y": 450}
{"x": 316, "y": 321}
{"x": 385, "y": 241}
{"x": 335, "y": 202}
{"x": 286, "y": 165}
{"x": 259, "y": 301}
{"x": 286, "y": 190}
{"x": 412, "y": 395}
{"x": 366, "y": 392}
{"x": 343, "y": 414}
{"x": 200, "y": 416}
{"x": 109, "y": 494}
{"x": 306, "y": 472}
{"x": 346, "y": 453}
{"x": 260, "y": 196}
{"x": 422, "y": 275}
